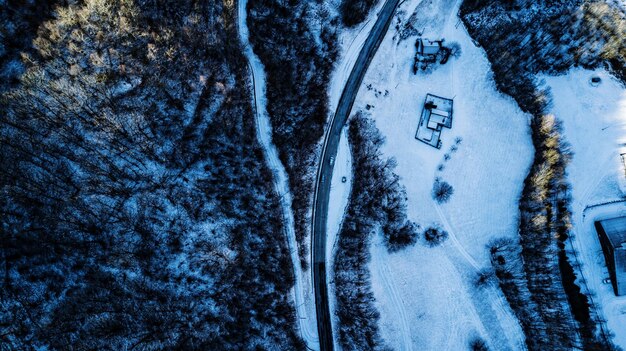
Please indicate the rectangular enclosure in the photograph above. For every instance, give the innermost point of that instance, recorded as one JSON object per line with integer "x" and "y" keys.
{"x": 436, "y": 114}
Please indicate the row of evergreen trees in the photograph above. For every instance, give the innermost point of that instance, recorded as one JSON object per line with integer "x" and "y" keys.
{"x": 523, "y": 38}
{"x": 377, "y": 204}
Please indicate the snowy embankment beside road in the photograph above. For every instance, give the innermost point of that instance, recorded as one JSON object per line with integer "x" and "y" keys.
{"x": 339, "y": 196}
{"x": 594, "y": 123}
{"x": 350, "y": 44}
{"x": 426, "y": 296}
{"x": 302, "y": 290}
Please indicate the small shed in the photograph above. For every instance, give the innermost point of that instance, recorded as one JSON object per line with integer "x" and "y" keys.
{"x": 612, "y": 234}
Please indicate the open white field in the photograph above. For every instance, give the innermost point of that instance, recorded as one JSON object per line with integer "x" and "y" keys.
{"x": 426, "y": 296}
{"x": 594, "y": 121}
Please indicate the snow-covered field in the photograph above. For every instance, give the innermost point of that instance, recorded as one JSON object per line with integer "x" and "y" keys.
{"x": 594, "y": 123}
{"x": 425, "y": 295}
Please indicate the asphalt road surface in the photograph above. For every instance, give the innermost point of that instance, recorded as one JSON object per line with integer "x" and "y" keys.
{"x": 325, "y": 171}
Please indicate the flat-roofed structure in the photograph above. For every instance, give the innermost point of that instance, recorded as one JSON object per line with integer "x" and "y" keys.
{"x": 427, "y": 49}
{"x": 436, "y": 115}
{"x": 612, "y": 233}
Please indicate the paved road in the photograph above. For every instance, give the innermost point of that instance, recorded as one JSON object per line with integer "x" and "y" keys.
{"x": 325, "y": 171}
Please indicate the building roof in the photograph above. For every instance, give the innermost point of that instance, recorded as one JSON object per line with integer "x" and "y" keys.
{"x": 441, "y": 113}
{"x": 431, "y": 49}
{"x": 615, "y": 230}
{"x": 436, "y": 114}
{"x": 437, "y": 118}
{"x": 612, "y": 234}
{"x": 432, "y": 124}
{"x": 428, "y": 47}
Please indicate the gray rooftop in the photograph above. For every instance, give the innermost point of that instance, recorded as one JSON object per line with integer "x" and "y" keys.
{"x": 615, "y": 230}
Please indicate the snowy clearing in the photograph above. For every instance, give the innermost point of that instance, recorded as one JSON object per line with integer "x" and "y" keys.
{"x": 426, "y": 296}
{"x": 302, "y": 294}
{"x": 594, "y": 123}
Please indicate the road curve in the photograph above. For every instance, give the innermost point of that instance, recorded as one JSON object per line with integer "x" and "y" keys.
{"x": 325, "y": 171}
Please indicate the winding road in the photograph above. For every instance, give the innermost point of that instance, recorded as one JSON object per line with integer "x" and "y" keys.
{"x": 325, "y": 171}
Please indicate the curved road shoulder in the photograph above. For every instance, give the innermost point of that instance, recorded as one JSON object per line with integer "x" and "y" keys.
{"x": 325, "y": 170}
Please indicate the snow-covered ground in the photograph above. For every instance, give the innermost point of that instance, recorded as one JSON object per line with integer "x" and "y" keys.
{"x": 302, "y": 289}
{"x": 339, "y": 196}
{"x": 594, "y": 123}
{"x": 425, "y": 295}
{"x": 619, "y": 3}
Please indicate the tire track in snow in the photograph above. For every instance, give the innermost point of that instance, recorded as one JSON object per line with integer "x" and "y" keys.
{"x": 595, "y": 180}
{"x": 497, "y": 301}
{"x": 396, "y": 301}
{"x": 454, "y": 239}
{"x": 489, "y": 308}
{"x": 346, "y": 63}
{"x": 498, "y": 304}
{"x": 306, "y": 325}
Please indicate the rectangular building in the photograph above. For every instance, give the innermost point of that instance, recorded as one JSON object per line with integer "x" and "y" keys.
{"x": 436, "y": 114}
{"x": 612, "y": 233}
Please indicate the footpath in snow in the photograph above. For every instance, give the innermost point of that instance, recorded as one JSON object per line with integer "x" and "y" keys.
{"x": 302, "y": 294}
{"x": 426, "y": 296}
{"x": 594, "y": 123}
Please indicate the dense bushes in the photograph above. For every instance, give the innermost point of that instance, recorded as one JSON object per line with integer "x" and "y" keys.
{"x": 435, "y": 236}
{"x": 136, "y": 207}
{"x": 354, "y": 12}
{"x": 380, "y": 195}
{"x": 19, "y": 21}
{"x": 525, "y": 37}
{"x": 478, "y": 344}
{"x": 377, "y": 202}
{"x": 538, "y": 230}
{"x": 533, "y": 278}
{"x": 544, "y": 226}
{"x": 296, "y": 43}
{"x": 442, "y": 191}
{"x": 510, "y": 271}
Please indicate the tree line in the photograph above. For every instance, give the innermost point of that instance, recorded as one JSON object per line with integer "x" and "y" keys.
{"x": 377, "y": 204}
{"x": 521, "y": 39}
{"x": 296, "y": 41}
